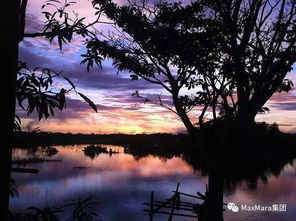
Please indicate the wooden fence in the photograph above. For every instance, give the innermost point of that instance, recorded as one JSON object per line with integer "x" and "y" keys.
{"x": 174, "y": 206}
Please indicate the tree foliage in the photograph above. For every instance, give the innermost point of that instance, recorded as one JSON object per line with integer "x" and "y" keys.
{"x": 228, "y": 56}
{"x": 35, "y": 89}
{"x": 80, "y": 209}
{"x": 260, "y": 37}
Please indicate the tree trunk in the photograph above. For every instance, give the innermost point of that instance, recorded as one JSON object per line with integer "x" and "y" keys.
{"x": 9, "y": 57}
{"x": 183, "y": 115}
{"x": 245, "y": 116}
{"x": 215, "y": 197}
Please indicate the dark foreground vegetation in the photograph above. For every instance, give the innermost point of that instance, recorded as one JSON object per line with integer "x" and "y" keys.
{"x": 80, "y": 209}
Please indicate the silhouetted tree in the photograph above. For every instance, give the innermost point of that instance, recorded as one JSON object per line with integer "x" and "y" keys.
{"x": 33, "y": 89}
{"x": 260, "y": 47}
{"x": 9, "y": 22}
{"x": 163, "y": 45}
{"x": 222, "y": 57}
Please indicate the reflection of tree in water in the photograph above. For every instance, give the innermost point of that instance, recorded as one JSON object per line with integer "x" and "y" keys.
{"x": 40, "y": 151}
{"x": 49, "y": 151}
{"x": 164, "y": 151}
{"x": 36, "y": 154}
{"x": 93, "y": 151}
{"x": 249, "y": 158}
{"x": 254, "y": 160}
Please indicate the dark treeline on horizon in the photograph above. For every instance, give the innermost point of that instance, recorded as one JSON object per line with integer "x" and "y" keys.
{"x": 265, "y": 136}
{"x": 46, "y": 138}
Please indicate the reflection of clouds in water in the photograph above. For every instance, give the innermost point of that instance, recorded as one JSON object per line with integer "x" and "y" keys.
{"x": 277, "y": 190}
{"x": 108, "y": 177}
{"x": 107, "y": 168}
{"x": 147, "y": 166}
{"x": 121, "y": 184}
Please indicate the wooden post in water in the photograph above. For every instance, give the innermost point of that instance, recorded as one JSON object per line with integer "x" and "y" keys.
{"x": 151, "y": 206}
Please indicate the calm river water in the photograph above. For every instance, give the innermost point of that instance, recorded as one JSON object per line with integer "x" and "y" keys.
{"x": 121, "y": 183}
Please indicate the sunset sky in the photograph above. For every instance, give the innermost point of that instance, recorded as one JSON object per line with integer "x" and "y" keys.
{"x": 119, "y": 112}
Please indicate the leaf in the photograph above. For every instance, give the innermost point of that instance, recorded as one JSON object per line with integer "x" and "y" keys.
{"x": 89, "y": 65}
{"x": 134, "y": 77}
{"x": 70, "y": 82}
{"x": 86, "y": 99}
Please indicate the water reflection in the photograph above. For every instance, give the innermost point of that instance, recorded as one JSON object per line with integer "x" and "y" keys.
{"x": 93, "y": 151}
{"x": 123, "y": 181}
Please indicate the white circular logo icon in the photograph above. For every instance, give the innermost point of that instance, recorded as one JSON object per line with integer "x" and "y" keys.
{"x": 232, "y": 207}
